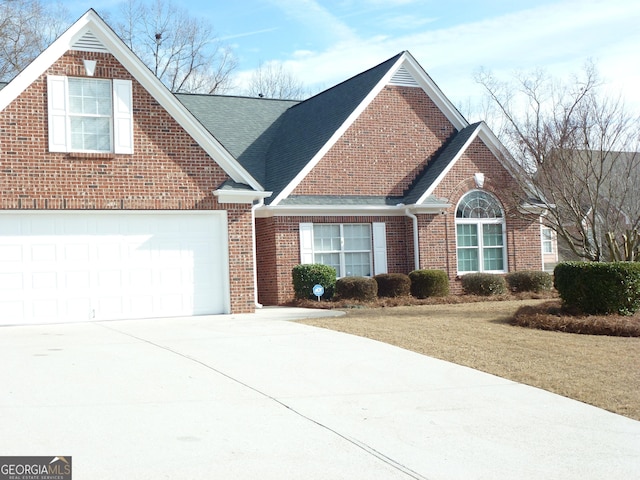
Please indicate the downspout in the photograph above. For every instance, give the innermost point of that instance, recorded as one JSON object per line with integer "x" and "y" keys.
{"x": 254, "y": 207}
{"x": 416, "y": 246}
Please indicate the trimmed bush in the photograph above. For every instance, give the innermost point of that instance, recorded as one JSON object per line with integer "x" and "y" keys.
{"x": 529, "y": 281}
{"x": 306, "y": 276}
{"x": 393, "y": 285}
{"x": 364, "y": 289}
{"x": 599, "y": 288}
{"x": 429, "y": 283}
{"x": 484, "y": 284}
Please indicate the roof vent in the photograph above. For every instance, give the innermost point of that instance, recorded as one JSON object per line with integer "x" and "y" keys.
{"x": 403, "y": 78}
{"x": 89, "y": 43}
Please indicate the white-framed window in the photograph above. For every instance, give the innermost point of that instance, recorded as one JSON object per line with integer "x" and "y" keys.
{"x": 353, "y": 249}
{"x": 480, "y": 234}
{"x": 548, "y": 240}
{"x": 90, "y": 115}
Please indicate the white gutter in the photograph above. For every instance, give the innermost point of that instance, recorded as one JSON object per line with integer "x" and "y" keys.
{"x": 254, "y": 247}
{"x": 416, "y": 246}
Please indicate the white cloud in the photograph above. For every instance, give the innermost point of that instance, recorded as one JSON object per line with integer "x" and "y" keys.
{"x": 560, "y": 37}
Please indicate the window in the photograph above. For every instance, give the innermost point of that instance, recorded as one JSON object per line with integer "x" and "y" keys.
{"x": 480, "y": 234}
{"x": 90, "y": 115}
{"x": 353, "y": 249}
{"x": 547, "y": 240}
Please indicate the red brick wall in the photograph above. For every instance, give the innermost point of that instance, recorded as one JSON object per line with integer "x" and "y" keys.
{"x": 167, "y": 170}
{"x": 384, "y": 149}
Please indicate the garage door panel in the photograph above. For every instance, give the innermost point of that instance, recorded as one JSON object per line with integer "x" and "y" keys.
{"x": 74, "y": 267}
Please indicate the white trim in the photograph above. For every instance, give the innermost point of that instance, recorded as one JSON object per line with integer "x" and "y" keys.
{"x": 91, "y": 22}
{"x": 122, "y": 116}
{"x": 379, "y": 241}
{"x": 306, "y": 243}
{"x": 239, "y": 196}
{"x": 348, "y": 210}
{"x": 480, "y": 234}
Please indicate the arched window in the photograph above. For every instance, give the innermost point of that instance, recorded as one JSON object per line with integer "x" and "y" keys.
{"x": 480, "y": 234}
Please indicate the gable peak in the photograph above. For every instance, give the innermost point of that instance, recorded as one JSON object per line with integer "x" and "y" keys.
{"x": 403, "y": 78}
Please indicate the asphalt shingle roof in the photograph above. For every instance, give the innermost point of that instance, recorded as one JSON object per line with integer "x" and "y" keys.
{"x": 435, "y": 167}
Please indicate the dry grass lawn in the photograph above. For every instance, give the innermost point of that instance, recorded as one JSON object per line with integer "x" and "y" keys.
{"x": 599, "y": 370}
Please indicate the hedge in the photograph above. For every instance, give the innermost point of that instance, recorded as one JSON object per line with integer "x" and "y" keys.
{"x": 306, "y": 276}
{"x": 599, "y": 288}
{"x": 364, "y": 289}
{"x": 484, "y": 284}
{"x": 529, "y": 281}
{"x": 393, "y": 284}
{"x": 429, "y": 283}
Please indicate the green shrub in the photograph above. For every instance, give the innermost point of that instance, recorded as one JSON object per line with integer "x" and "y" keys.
{"x": 393, "y": 285}
{"x": 306, "y": 276}
{"x": 529, "y": 281}
{"x": 484, "y": 284}
{"x": 364, "y": 289}
{"x": 599, "y": 288}
{"x": 429, "y": 283}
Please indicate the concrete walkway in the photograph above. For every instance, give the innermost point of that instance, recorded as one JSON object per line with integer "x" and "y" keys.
{"x": 259, "y": 397}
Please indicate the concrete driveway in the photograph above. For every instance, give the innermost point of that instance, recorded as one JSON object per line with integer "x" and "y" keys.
{"x": 259, "y": 397}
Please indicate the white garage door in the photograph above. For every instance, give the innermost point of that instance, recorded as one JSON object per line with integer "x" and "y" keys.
{"x": 65, "y": 267}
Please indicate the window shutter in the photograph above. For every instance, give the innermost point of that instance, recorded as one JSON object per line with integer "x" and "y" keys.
{"x": 306, "y": 243}
{"x": 57, "y": 100}
{"x": 122, "y": 116}
{"x": 379, "y": 231}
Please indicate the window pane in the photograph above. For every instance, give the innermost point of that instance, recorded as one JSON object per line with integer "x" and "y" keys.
{"x": 326, "y": 238}
{"x": 479, "y": 204}
{"x": 468, "y": 260}
{"x": 493, "y": 259}
{"x": 90, "y": 133}
{"x": 492, "y": 235}
{"x": 467, "y": 235}
{"x": 330, "y": 259}
{"x": 357, "y": 237}
{"x": 357, "y": 264}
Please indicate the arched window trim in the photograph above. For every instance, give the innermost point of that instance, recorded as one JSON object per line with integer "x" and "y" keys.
{"x": 481, "y": 249}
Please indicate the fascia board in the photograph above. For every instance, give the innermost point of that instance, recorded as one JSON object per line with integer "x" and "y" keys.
{"x": 328, "y": 210}
{"x": 444, "y": 173}
{"x": 239, "y": 196}
{"x": 92, "y": 21}
{"x": 338, "y": 133}
{"x": 347, "y": 210}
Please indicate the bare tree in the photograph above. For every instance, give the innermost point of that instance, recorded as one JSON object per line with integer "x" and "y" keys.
{"x": 579, "y": 149}
{"x": 272, "y": 80}
{"x": 27, "y": 27}
{"x": 182, "y": 51}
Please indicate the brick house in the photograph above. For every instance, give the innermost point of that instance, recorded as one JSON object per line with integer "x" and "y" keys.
{"x": 120, "y": 199}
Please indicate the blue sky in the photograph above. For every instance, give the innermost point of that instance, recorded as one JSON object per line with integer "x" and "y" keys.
{"x": 325, "y": 42}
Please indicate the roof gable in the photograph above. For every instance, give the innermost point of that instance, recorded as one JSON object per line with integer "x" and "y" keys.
{"x": 91, "y": 33}
{"x": 312, "y": 127}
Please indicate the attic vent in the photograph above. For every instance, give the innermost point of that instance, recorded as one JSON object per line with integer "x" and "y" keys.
{"x": 89, "y": 43}
{"x": 403, "y": 78}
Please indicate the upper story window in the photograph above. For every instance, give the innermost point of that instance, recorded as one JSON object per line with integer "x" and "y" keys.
{"x": 90, "y": 115}
{"x": 480, "y": 234}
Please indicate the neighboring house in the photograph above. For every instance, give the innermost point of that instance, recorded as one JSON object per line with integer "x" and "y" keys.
{"x": 122, "y": 200}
